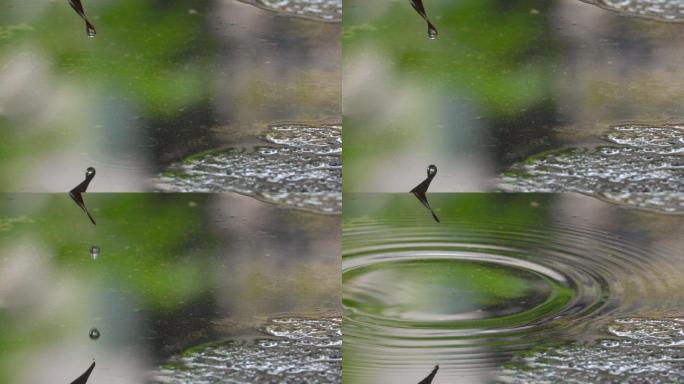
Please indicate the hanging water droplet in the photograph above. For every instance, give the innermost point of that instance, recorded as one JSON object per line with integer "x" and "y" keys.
{"x": 76, "y": 5}
{"x": 94, "y": 334}
{"x": 94, "y": 251}
{"x": 90, "y": 30}
{"x": 432, "y": 32}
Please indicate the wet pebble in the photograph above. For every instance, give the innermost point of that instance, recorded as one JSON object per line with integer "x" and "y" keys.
{"x": 324, "y": 10}
{"x": 640, "y": 350}
{"x": 664, "y": 10}
{"x": 298, "y": 165}
{"x": 644, "y": 168}
{"x": 294, "y": 350}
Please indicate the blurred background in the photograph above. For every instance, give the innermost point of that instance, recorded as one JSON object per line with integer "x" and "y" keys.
{"x": 173, "y": 271}
{"x": 163, "y": 79}
{"x": 502, "y": 81}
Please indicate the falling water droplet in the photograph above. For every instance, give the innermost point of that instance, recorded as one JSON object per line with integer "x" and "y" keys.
{"x": 94, "y": 251}
{"x": 90, "y": 171}
{"x": 94, "y": 334}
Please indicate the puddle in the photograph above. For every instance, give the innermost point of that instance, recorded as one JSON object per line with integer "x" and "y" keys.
{"x": 172, "y": 271}
{"x": 324, "y": 10}
{"x": 639, "y": 351}
{"x": 643, "y": 168}
{"x": 298, "y": 166}
{"x": 500, "y": 276}
{"x": 236, "y": 67}
{"x": 665, "y": 10}
{"x": 294, "y": 350}
{"x": 565, "y": 69}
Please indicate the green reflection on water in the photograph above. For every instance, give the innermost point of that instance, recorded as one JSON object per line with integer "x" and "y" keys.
{"x": 451, "y": 294}
{"x": 173, "y": 270}
{"x": 500, "y": 276}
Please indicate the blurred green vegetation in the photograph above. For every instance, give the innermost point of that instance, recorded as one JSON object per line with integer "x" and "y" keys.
{"x": 498, "y": 51}
{"x": 156, "y": 248}
{"x": 490, "y": 69}
{"x": 153, "y": 53}
{"x": 149, "y": 61}
{"x": 155, "y": 245}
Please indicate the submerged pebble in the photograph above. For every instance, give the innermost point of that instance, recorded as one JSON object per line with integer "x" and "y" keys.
{"x": 299, "y": 165}
{"x": 643, "y": 168}
{"x": 294, "y": 350}
{"x": 325, "y": 10}
{"x": 666, "y": 10}
{"x": 638, "y": 351}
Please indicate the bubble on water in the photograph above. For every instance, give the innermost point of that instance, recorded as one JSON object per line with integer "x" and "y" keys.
{"x": 294, "y": 350}
{"x": 664, "y": 10}
{"x": 639, "y": 350}
{"x": 298, "y": 165}
{"x": 94, "y": 334}
{"x": 94, "y": 252}
{"x": 643, "y": 168}
{"x": 323, "y": 10}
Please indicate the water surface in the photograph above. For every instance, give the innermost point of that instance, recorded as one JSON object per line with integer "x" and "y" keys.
{"x": 298, "y": 165}
{"x": 501, "y": 276}
{"x": 323, "y": 10}
{"x": 639, "y": 350}
{"x": 173, "y": 271}
{"x": 502, "y": 82}
{"x": 662, "y": 10}
{"x": 290, "y": 350}
{"x": 643, "y": 168}
{"x": 160, "y": 82}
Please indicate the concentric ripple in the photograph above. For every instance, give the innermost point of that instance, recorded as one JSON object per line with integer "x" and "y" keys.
{"x": 664, "y": 10}
{"x": 301, "y": 167}
{"x": 468, "y": 296}
{"x": 294, "y": 350}
{"x": 323, "y": 10}
{"x": 644, "y": 168}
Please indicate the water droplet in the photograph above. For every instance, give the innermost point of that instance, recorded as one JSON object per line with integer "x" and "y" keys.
{"x": 76, "y": 5}
{"x": 94, "y": 251}
{"x": 90, "y": 171}
{"x": 432, "y": 32}
{"x": 94, "y": 334}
